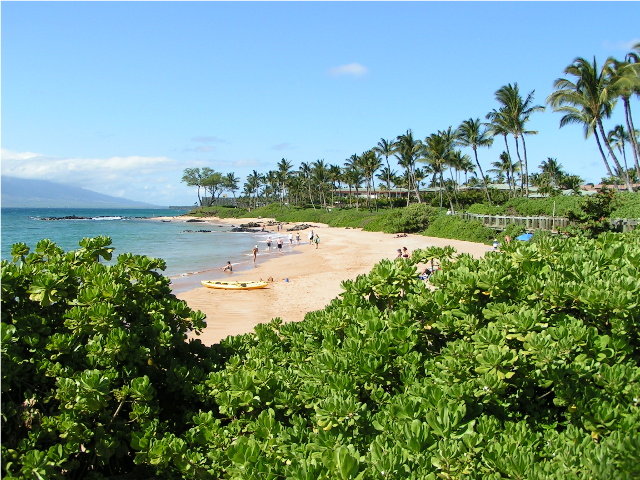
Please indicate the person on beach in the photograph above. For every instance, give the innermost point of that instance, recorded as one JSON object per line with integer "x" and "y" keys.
{"x": 269, "y": 243}
{"x": 228, "y": 267}
{"x": 405, "y": 252}
{"x": 298, "y": 238}
{"x": 280, "y": 245}
{"x": 311, "y": 238}
{"x": 291, "y": 238}
{"x": 495, "y": 244}
{"x": 317, "y": 240}
{"x": 255, "y": 253}
{"x": 399, "y": 253}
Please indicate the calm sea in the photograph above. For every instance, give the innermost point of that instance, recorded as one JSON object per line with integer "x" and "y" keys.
{"x": 190, "y": 256}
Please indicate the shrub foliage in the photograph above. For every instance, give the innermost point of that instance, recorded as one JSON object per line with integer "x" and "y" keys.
{"x": 523, "y": 364}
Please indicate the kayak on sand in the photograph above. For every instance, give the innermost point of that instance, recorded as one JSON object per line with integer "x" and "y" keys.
{"x": 234, "y": 285}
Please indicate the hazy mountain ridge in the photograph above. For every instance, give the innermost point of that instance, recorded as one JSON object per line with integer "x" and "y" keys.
{"x": 25, "y": 193}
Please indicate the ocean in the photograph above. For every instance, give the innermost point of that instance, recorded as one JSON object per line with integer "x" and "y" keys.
{"x": 190, "y": 254}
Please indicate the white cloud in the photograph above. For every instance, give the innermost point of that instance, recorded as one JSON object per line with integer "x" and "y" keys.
{"x": 351, "y": 69}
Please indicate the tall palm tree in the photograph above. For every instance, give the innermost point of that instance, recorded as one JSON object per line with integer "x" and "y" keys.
{"x": 438, "y": 151}
{"x": 252, "y": 186}
{"x": 369, "y": 163}
{"x": 387, "y": 176}
{"x": 618, "y": 138}
{"x": 231, "y": 183}
{"x": 499, "y": 125}
{"x": 471, "y": 133}
{"x": 626, "y": 82}
{"x": 588, "y": 100}
{"x": 517, "y": 112}
{"x": 322, "y": 180}
{"x": 353, "y": 176}
{"x": 408, "y": 151}
{"x": 386, "y": 148}
{"x": 305, "y": 173}
{"x": 283, "y": 175}
{"x": 335, "y": 176}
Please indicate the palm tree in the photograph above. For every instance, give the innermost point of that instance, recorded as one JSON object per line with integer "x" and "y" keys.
{"x": 625, "y": 79}
{"x": 231, "y": 184}
{"x": 516, "y": 113}
{"x": 499, "y": 126}
{"x": 553, "y": 170}
{"x": 408, "y": 151}
{"x": 305, "y": 173}
{"x": 252, "y": 186}
{"x": 369, "y": 163}
{"x": 438, "y": 151}
{"x": 386, "y": 148}
{"x": 471, "y": 133}
{"x": 588, "y": 101}
{"x": 284, "y": 172}
{"x": 335, "y": 175}
{"x": 387, "y": 176}
{"x": 353, "y": 176}
{"x": 320, "y": 175}
{"x": 617, "y": 138}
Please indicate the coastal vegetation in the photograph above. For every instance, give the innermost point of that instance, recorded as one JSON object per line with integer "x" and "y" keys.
{"x": 587, "y": 95}
{"x": 521, "y": 364}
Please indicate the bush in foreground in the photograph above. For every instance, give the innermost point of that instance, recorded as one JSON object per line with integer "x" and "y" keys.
{"x": 522, "y": 364}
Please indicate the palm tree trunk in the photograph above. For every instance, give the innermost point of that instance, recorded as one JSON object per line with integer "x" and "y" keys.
{"x": 526, "y": 163}
{"x": 484, "y": 180}
{"x": 522, "y": 179}
{"x": 604, "y": 157}
{"x": 614, "y": 158}
{"x": 632, "y": 134}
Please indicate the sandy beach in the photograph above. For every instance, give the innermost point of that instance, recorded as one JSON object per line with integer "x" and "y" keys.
{"x": 304, "y": 281}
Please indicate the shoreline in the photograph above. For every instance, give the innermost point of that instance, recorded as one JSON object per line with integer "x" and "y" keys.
{"x": 304, "y": 279}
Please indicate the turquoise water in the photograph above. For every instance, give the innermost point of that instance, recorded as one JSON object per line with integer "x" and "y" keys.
{"x": 190, "y": 257}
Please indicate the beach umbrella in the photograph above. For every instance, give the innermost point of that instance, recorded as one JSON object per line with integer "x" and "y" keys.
{"x": 525, "y": 237}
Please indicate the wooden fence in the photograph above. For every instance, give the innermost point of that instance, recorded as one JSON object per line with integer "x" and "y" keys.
{"x": 552, "y": 224}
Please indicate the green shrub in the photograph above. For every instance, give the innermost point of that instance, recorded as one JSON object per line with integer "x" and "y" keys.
{"x": 521, "y": 364}
{"x": 451, "y": 226}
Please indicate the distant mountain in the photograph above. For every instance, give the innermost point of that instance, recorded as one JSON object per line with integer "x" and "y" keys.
{"x": 23, "y": 193}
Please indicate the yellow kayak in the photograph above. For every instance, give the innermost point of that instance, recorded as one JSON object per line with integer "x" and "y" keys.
{"x": 234, "y": 285}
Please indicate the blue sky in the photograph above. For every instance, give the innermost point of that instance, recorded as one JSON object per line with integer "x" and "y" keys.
{"x": 121, "y": 97}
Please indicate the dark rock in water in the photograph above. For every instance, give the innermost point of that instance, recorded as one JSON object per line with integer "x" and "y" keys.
{"x": 196, "y": 231}
{"x": 68, "y": 217}
{"x": 302, "y": 226}
{"x": 245, "y": 230}
{"x": 194, "y": 220}
{"x": 250, "y": 225}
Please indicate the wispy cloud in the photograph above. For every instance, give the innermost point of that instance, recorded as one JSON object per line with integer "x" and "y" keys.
{"x": 207, "y": 139}
{"x": 351, "y": 70}
{"x": 281, "y": 146}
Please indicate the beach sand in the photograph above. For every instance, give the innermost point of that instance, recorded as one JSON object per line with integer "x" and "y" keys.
{"x": 314, "y": 277}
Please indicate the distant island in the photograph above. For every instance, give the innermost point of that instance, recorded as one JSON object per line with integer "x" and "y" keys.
{"x": 24, "y": 193}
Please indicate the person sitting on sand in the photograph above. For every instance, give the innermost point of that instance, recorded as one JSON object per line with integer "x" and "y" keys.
{"x": 405, "y": 252}
{"x": 228, "y": 267}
